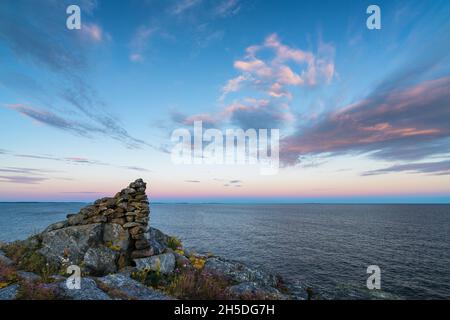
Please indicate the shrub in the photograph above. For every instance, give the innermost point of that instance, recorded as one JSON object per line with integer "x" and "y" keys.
{"x": 8, "y": 275}
{"x": 37, "y": 291}
{"x": 151, "y": 278}
{"x": 26, "y": 256}
{"x": 193, "y": 284}
{"x": 174, "y": 243}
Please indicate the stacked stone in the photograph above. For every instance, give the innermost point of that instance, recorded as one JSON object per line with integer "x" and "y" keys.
{"x": 129, "y": 208}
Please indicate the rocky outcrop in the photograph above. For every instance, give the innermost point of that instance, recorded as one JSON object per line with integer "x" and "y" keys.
{"x": 71, "y": 243}
{"x": 121, "y": 257}
{"x": 105, "y": 236}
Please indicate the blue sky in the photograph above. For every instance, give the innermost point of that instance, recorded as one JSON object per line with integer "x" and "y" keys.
{"x": 363, "y": 114}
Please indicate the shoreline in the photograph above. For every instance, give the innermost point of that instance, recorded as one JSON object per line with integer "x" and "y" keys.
{"x": 116, "y": 254}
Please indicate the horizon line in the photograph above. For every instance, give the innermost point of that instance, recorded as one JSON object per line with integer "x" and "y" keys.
{"x": 255, "y": 203}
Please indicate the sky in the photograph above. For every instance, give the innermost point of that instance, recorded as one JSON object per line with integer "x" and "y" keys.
{"x": 363, "y": 115}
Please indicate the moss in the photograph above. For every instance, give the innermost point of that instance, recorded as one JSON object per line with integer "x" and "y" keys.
{"x": 197, "y": 262}
{"x": 181, "y": 252}
{"x": 4, "y": 284}
{"x": 112, "y": 247}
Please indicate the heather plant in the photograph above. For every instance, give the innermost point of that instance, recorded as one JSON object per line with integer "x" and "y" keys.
{"x": 7, "y": 275}
{"x": 194, "y": 284}
{"x": 35, "y": 290}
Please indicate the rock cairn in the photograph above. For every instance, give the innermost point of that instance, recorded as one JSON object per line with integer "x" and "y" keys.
{"x": 128, "y": 208}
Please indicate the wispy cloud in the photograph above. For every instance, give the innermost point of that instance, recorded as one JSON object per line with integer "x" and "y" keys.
{"x": 22, "y": 179}
{"x": 30, "y": 171}
{"x": 41, "y": 42}
{"x": 51, "y": 119}
{"x": 134, "y": 168}
{"x": 92, "y": 31}
{"x": 227, "y": 8}
{"x": 139, "y": 42}
{"x": 398, "y": 124}
{"x": 76, "y": 160}
{"x": 435, "y": 168}
{"x": 192, "y": 181}
{"x": 26, "y": 175}
{"x": 183, "y": 5}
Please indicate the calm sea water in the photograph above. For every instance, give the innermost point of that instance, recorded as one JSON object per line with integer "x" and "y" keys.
{"x": 327, "y": 247}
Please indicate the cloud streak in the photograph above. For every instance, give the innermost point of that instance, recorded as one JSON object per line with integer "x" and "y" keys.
{"x": 41, "y": 42}
{"x": 435, "y": 168}
{"x": 22, "y": 179}
{"x": 399, "y": 124}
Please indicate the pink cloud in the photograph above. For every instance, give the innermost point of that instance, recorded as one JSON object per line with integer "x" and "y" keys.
{"x": 402, "y": 123}
{"x": 92, "y": 31}
{"x": 285, "y": 68}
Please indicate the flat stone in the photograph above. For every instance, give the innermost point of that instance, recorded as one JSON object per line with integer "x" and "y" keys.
{"x": 118, "y": 214}
{"x": 141, "y": 244}
{"x": 164, "y": 263}
{"x": 131, "y": 225}
{"x": 132, "y": 288}
{"x": 9, "y": 293}
{"x": 120, "y": 221}
{"x": 142, "y": 220}
{"x": 108, "y": 212}
{"x": 88, "y": 291}
{"x": 99, "y": 219}
{"x": 139, "y": 237}
{"x": 137, "y": 230}
{"x": 144, "y": 253}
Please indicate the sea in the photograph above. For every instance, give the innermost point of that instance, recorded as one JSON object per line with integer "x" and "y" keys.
{"x": 326, "y": 247}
